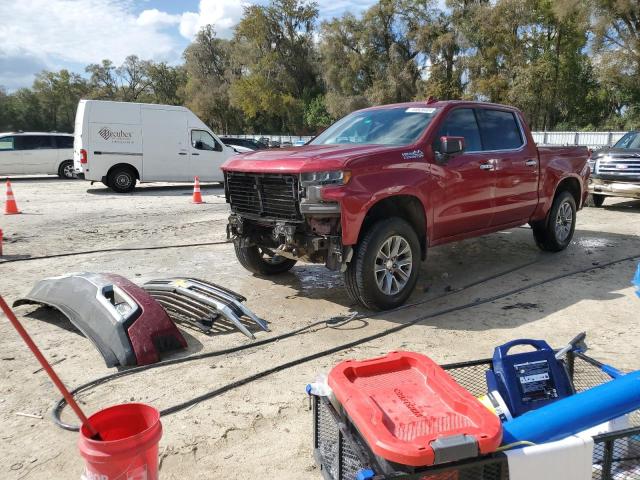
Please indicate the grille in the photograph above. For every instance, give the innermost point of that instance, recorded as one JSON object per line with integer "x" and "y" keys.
{"x": 619, "y": 166}
{"x": 264, "y": 195}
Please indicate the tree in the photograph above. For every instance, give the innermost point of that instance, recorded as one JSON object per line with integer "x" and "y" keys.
{"x": 58, "y": 94}
{"x": 210, "y": 71}
{"x": 274, "y": 45}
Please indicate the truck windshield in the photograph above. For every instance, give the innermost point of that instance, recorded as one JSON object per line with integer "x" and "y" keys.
{"x": 629, "y": 140}
{"x": 387, "y": 126}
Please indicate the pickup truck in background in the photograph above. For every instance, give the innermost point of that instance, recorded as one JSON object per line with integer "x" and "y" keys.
{"x": 374, "y": 191}
{"x": 616, "y": 170}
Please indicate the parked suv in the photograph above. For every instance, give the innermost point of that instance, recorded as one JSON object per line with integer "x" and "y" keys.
{"x": 36, "y": 153}
{"x": 616, "y": 170}
{"x": 372, "y": 193}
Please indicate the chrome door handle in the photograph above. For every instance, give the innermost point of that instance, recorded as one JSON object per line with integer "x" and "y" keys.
{"x": 531, "y": 163}
{"x": 487, "y": 166}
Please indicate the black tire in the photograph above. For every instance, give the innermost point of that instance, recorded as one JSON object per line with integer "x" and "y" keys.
{"x": 361, "y": 278}
{"x": 549, "y": 235}
{"x": 597, "y": 200}
{"x": 260, "y": 262}
{"x": 65, "y": 170}
{"x": 122, "y": 179}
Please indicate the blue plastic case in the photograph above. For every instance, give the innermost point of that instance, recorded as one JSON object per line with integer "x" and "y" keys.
{"x": 528, "y": 380}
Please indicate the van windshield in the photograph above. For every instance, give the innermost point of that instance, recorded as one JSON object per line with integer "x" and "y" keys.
{"x": 387, "y": 126}
{"x": 629, "y": 140}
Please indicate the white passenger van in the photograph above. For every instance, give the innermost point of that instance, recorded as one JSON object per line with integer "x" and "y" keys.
{"x": 36, "y": 153}
{"x": 117, "y": 143}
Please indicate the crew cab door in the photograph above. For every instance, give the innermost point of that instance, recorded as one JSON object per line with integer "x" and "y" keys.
{"x": 463, "y": 198}
{"x": 207, "y": 156}
{"x": 515, "y": 164}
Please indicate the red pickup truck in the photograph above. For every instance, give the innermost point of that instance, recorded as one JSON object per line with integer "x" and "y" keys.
{"x": 374, "y": 191}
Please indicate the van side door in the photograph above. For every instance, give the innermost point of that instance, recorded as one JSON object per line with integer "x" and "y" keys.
{"x": 165, "y": 146}
{"x": 38, "y": 153}
{"x": 207, "y": 156}
{"x": 515, "y": 163}
{"x": 10, "y": 157}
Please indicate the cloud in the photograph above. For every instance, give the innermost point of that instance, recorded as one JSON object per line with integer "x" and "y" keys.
{"x": 86, "y": 31}
{"x": 222, "y": 14}
{"x": 17, "y": 70}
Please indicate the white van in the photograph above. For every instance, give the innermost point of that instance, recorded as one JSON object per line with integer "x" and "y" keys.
{"x": 117, "y": 143}
{"x": 36, "y": 153}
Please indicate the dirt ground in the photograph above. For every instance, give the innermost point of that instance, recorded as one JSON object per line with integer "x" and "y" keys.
{"x": 263, "y": 429}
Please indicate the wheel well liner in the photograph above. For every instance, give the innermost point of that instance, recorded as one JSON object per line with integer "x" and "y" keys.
{"x": 125, "y": 165}
{"x": 571, "y": 185}
{"x": 408, "y": 207}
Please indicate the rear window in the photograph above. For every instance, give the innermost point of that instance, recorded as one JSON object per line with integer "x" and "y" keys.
{"x": 64, "y": 142}
{"x": 35, "y": 142}
{"x": 499, "y": 130}
{"x": 6, "y": 143}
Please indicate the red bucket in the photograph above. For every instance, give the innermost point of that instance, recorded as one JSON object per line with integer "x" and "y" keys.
{"x": 129, "y": 447}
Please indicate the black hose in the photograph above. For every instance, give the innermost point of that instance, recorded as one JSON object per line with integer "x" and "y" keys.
{"x": 107, "y": 250}
{"x": 56, "y": 413}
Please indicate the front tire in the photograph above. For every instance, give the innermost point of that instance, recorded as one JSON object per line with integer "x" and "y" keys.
{"x": 262, "y": 261}
{"x": 65, "y": 170}
{"x": 121, "y": 179}
{"x": 556, "y": 233}
{"x": 384, "y": 268}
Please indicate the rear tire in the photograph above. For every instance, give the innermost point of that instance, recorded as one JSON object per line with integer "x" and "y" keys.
{"x": 65, "y": 170}
{"x": 262, "y": 261}
{"x": 556, "y": 232}
{"x": 121, "y": 179}
{"x": 385, "y": 265}
{"x": 597, "y": 200}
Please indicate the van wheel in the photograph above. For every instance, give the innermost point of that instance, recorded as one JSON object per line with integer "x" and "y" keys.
{"x": 262, "y": 261}
{"x": 384, "y": 268}
{"x": 556, "y": 233}
{"x": 65, "y": 170}
{"x": 121, "y": 179}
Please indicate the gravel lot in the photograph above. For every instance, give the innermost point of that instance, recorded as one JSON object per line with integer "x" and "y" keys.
{"x": 263, "y": 430}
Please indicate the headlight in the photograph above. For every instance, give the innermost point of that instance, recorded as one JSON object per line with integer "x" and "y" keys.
{"x": 335, "y": 177}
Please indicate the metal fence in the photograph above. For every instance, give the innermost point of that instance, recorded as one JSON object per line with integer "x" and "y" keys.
{"x": 588, "y": 139}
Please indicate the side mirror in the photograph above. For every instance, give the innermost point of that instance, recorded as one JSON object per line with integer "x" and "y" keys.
{"x": 218, "y": 147}
{"x": 451, "y": 145}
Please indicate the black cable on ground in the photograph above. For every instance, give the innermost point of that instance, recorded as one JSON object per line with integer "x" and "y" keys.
{"x": 218, "y": 391}
{"x": 107, "y": 250}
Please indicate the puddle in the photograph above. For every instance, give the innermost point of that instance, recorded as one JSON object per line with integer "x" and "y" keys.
{"x": 593, "y": 242}
{"x": 312, "y": 278}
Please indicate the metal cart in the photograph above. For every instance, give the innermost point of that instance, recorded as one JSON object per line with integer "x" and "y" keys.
{"x": 341, "y": 454}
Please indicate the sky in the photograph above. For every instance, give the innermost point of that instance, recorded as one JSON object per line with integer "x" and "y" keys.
{"x": 38, "y": 35}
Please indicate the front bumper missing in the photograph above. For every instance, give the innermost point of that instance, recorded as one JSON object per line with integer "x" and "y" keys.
{"x": 614, "y": 189}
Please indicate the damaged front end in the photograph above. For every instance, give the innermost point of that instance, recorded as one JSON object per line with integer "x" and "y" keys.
{"x": 286, "y": 214}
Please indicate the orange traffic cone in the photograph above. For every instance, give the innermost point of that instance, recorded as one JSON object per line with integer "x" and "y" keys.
{"x": 10, "y": 207}
{"x": 197, "y": 197}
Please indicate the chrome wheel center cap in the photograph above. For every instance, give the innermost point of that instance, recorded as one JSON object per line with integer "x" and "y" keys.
{"x": 389, "y": 264}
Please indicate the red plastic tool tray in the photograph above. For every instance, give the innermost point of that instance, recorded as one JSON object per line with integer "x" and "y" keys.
{"x": 411, "y": 412}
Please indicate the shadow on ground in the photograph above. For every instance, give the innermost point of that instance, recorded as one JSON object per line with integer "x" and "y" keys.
{"x": 161, "y": 190}
{"x": 509, "y": 256}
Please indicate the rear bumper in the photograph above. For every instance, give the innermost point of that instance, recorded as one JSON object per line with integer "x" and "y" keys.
{"x": 614, "y": 188}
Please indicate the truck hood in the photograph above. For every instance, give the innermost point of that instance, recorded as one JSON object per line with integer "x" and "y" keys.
{"x": 618, "y": 152}
{"x": 308, "y": 158}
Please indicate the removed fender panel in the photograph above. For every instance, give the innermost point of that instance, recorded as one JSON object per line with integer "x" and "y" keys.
{"x": 127, "y": 326}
